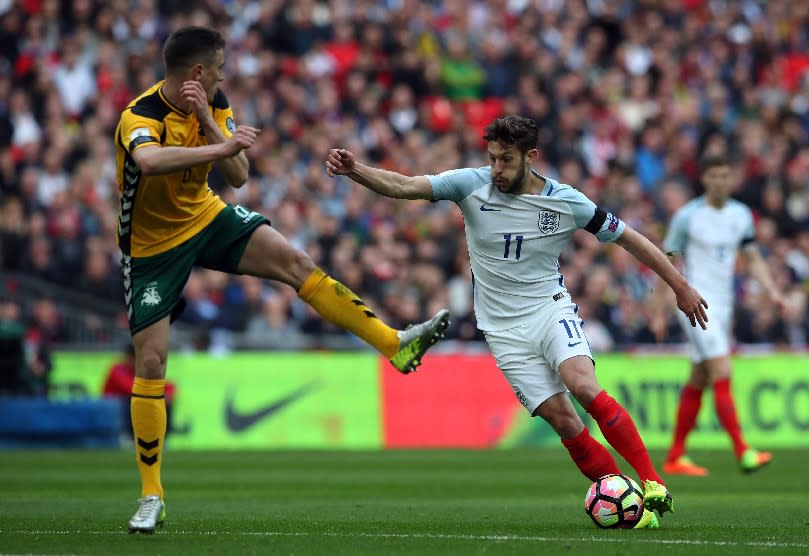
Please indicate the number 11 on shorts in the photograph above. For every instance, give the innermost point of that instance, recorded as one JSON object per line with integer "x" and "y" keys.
{"x": 571, "y": 327}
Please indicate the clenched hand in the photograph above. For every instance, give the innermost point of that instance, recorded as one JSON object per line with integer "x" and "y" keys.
{"x": 340, "y": 162}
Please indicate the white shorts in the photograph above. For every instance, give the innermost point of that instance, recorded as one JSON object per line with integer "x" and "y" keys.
{"x": 712, "y": 342}
{"x": 529, "y": 355}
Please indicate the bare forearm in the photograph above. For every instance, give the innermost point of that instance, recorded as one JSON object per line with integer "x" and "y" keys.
{"x": 383, "y": 182}
{"x": 647, "y": 253}
{"x": 165, "y": 160}
{"x": 234, "y": 168}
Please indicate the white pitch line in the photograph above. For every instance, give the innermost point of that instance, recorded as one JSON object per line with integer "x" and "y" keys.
{"x": 498, "y": 538}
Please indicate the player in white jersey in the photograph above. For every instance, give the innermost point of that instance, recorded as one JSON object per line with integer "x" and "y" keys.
{"x": 710, "y": 231}
{"x": 517, "y": 222}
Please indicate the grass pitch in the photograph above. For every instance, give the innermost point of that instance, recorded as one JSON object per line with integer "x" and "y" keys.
{"x": 394, "y": 502}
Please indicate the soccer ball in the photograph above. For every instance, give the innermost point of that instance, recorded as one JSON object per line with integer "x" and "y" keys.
{"x": 614, "y": 502}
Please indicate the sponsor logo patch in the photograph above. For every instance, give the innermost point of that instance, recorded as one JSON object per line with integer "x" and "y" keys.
{"x": 231, "y": 125}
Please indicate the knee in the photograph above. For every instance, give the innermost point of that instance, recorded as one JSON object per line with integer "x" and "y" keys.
{"x": 560, "y": 414}
{"x": 566, "y": 424}
{"x": 152, "y": 363}
{"x": 712, "y": 370}
{"x": 699, "y": 380}
{"x": 300, "y": 266}
{"x": 585, "y": 391}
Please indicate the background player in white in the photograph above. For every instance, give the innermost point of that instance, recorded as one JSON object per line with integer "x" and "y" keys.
{"x": 517, "y": 222}
{"x": 709, "y": 231}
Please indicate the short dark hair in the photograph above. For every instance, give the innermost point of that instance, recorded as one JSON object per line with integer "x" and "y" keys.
{"x": 712, "y": 161}
{"x": 191, "y": 45}
{"x": 513, "y": 130}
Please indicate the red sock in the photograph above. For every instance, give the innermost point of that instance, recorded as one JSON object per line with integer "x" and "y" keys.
{"x": 591, "y": 457}
{"x": 726, "y": 412}
{"x": 690, "y": 401}
{"x": 618, "y": 428}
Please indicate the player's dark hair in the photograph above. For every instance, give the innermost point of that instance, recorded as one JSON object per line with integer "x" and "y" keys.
{"x": 191, "y": 45}
{"x": 712, "y": 161}
{"x": 513, "y": 130}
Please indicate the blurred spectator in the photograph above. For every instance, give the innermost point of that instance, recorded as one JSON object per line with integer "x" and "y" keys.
{"x": 40, "y": 262}
{"x": 462, "y": 75}
{"x": 200, "y": 310}
{"x": 47, "y": 326}
{"x": 13, "y": 233}
{"x": 39, "y": 339}
{"x": 13, "y": 365}
{"x": 272, "y": 326}
{"x": 73, "y": 79}
{"x": 25, "y": 355}
{"x": 98, "y": 276}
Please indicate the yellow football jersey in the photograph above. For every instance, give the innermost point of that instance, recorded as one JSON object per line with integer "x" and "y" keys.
{"x": 159, "y": 212}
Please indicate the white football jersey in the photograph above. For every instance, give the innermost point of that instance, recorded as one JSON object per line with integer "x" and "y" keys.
{"x": 515, "y": 240}
{"x": 710, "y": 238}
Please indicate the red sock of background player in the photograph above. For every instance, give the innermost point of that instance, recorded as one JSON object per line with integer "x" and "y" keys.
{"x": 591, "y": 457}
{"x": 726, "y": 412}
{"x": 687, "y": 411}
{"x": 618, "y": 428}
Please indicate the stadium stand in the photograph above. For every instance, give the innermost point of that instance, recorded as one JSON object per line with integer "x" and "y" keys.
{"x": 629, "y": 95}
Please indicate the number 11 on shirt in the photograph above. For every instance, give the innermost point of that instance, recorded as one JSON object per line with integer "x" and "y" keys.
{"x": 507, "y": 237}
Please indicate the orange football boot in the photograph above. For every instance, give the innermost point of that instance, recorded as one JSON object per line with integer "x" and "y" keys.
{"x": 684, "y": 466}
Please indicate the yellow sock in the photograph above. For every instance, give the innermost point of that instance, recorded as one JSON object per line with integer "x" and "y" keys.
{"x": 148, "y": 409}
{"x": 339, "y": 305}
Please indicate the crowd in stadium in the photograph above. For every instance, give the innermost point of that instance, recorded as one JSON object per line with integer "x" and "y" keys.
{"x": 629, "y": 96}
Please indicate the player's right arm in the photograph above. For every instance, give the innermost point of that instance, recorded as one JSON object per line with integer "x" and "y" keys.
{"x": 341, "y": 162}
{"x": 153, "y": 159}
{"x": 140, "y": 135}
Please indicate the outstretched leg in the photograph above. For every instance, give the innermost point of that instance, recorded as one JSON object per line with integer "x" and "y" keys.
{"x": 269, "y": 255}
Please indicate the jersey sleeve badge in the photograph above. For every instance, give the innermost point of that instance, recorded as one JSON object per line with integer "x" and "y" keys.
{"x": 139, "y": 132}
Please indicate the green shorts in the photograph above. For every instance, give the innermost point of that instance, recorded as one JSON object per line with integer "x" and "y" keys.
{"x": 153, "y": 285}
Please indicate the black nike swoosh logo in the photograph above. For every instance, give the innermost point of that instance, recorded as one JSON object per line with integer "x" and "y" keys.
{"x": 633, "y": 509}
{"x": 484, "y": 208}
{"x": 238, "y": 422}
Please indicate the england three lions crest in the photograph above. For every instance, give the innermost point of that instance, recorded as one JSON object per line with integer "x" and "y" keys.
{"x": 548, "y": 222}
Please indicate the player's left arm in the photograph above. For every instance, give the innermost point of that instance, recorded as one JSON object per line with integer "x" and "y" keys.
{"x": 757, "y": 268}
{"x": 689, "y": 300}
{"x": 609, "y": 228}
{"x": 662, "y": 301}
{"x": 218, "y": 128}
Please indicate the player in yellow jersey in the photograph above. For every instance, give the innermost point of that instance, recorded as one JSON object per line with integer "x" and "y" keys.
{"x": 170, "y": 220}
